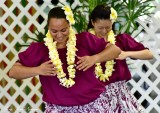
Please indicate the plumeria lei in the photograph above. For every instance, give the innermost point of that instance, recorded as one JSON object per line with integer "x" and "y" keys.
{"x": 71, "y": 53}
{"x": 109, "y": 64}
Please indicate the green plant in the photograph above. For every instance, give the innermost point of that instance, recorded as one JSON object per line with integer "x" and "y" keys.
{"x": 39, "y": 38}
{"x": 80, "y": 18}
{"x": 128, "y": 12}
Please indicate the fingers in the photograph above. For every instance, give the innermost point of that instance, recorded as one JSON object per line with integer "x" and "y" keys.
{"x": 48, "y": 62}
{"x": 50, "y": 71}
{"x": 47, "y": 68}
{"x": 84, "y": 63}
{"x": 53, "y": 73}
{"x": 50, "y": 74}
{"x": 81, "y": 65}
{"x": 50, "y": 66}
{"x": 120, "y": 57}
{"x": 81, "y": 59}
{"x": 87, "y": 67}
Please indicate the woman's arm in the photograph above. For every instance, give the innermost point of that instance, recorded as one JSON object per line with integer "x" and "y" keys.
{"x": 109, "y": 53}
{"x": 18, "y": 71}
{"x": 142, "y": 54}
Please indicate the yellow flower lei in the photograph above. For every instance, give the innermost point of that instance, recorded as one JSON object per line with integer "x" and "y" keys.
{"x": 71, "y": 53}
{"x": 109, "y": 64}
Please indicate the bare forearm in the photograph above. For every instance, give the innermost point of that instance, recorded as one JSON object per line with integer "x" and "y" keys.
{"x": 109, "y": 53}
{"x": 21, "y": 72}
{"x": 143, "y": 54}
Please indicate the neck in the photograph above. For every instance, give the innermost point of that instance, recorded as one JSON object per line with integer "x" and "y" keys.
{"x": 105, "y": 38}
{"x": 61, "y": 45}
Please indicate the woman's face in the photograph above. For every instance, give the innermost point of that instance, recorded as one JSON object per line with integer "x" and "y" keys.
{"x": 102, "y": 27}
{"x": 59, "y": 29}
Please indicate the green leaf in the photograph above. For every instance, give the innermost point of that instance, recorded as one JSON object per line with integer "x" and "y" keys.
{"x": 128, "y": 11}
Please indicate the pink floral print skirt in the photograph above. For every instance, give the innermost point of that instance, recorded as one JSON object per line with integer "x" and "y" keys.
{"x": 116, "y": 99}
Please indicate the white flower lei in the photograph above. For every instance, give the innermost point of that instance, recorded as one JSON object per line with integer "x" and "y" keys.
{"x": 109, "y": 64}
{"x": 71, "y": 53}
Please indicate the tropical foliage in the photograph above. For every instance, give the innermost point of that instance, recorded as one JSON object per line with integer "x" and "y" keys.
{"x": 128, "y": 12}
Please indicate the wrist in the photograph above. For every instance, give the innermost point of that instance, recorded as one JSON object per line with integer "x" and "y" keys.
{"x": 96, "y": 59}
{"x": 128, "y": 54}
{"x": 36, "y": 70}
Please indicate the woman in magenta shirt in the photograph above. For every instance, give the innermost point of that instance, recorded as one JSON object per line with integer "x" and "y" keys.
{"x": 100, "y": 24}
{"x": 65, "y": 65}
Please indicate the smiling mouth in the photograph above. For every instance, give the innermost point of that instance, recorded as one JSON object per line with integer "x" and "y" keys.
{"x": 59, "y": 38}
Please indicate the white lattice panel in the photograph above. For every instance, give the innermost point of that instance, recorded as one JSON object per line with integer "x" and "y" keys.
{"x": 145, "y": 84}
{"x": 26, "y": 95}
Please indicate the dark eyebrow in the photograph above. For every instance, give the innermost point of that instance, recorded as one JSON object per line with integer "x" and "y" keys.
{"x": 61, "y": 29}
{"x": 100, "y": 26}
{"x": 105, "y": 27}
{"x": 54, "y": 29}
{"x": 64, "y": 28}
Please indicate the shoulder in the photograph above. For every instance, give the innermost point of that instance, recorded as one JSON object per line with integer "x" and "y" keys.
{"x": 35, "y": 49}
{"x": 88, "y": 36}
{"x": 37, "y": 45}
{"x": 129, "y": 43}
{"x": 34, "y": 54}
{"x": 123, "y": 36}
{"x": 84, "y": 35}
{"x": 123, "y": 40}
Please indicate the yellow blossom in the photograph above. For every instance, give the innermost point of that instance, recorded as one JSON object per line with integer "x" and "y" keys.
{"x": 113, "y": 15}
{"x": 69, "y": 14}
{"x": 48, "y": 34}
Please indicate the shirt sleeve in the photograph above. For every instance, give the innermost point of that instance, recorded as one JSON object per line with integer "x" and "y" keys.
{"x": 94, "y": 44}
{"x": 130, "y": 44}
{"x": 32, "y": 56}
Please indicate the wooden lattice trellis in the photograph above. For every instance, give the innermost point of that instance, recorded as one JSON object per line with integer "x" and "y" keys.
{"x": 145, "y": 83}
{"x": 20, "y": 18}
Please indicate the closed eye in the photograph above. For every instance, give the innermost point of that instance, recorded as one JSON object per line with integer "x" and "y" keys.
{"x": 64, "y": 30}
{"x": 54, "y": 31}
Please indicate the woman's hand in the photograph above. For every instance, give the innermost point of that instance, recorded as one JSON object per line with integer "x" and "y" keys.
{"x": 85, "y": 62}
{"x": 47, "y": 68}
{"x": 123, "y": 55}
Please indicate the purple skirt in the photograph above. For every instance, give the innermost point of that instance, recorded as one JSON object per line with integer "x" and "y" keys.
{"x": 116, "y": 99}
